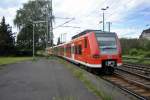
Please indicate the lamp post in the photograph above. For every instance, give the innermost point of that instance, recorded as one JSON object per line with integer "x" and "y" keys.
{"x": 103, "y": 9}
{"x": 33, "y": 50}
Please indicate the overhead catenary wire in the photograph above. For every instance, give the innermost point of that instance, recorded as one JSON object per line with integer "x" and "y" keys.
{"x": 63, "y": 18}
{"x": 71, "y": 26}
{"x": 105, "y": 2}
{"x": 64, "y": 23}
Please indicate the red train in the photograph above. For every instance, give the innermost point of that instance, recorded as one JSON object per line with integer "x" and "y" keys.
{"x": 93, "y": 48}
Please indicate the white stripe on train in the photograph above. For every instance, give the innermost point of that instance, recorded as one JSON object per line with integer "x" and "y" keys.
{"x": 86, "y": 64}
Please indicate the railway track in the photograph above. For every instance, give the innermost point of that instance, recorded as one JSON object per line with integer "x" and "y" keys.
{"x": 131, "y": 78}
{"x": 131, "y": 81}
{"x": 137, "y": 68}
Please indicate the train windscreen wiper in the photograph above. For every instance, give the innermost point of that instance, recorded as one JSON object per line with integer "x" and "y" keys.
{"x": 108, "y": 47}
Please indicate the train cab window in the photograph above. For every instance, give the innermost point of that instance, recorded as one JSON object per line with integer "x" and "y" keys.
{"x": 85, "y": 42}
{"x": 107, "y": 43}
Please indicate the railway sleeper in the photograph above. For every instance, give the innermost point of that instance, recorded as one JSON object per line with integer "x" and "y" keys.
{"x": 132, "y": 82}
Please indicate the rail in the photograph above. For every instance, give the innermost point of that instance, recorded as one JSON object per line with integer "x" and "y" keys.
{"x": 132, "y": 83}
{"x": 137, "y": 69}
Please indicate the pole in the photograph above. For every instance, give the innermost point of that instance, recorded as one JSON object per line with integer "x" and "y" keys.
{"x": 51, "y": 23}
{"x": 33, "y": 41}
{"x": 65, "y": 34}
{"x": 104, "y": 17}
{"x": 109, "y": 23}
{"x": 47, "y": 21}
{"x": 103, "y": 22}
{"x": 61, "y": 38}
{"x": 109, "y": 26}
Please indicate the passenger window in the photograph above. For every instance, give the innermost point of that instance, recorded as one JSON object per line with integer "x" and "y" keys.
{"x": 80, "y": 49}
{"x": 85, "y": 42}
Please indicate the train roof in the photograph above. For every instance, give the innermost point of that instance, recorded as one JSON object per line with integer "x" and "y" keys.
{"x": 87, "y": 31}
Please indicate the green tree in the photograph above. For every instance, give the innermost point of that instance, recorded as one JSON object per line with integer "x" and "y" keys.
{"x": 6, "y": 38}
{"x": 31, "y": 11}
{"x": 135, "y": 46}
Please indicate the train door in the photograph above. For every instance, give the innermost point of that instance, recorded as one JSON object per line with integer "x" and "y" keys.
{"x": 72, "y": 51}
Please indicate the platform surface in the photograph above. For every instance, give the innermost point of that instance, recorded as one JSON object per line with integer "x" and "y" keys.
{"x": 43, "y": 79}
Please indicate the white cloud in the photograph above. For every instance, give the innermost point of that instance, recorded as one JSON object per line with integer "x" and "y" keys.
{"x": 128, "y": 32}
{"x": 122, "y": 8}
{"x": 75, "y": 7}
{"x": 10, "y": 12}
{"x": 87, "y": 13}
{"x": 9, "y": 15}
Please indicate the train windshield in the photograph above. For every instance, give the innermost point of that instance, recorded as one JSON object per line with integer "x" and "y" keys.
{"x": 107, "y": 43}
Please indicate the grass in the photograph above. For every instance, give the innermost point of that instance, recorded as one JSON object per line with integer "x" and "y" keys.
{"x": 52, "y": 57}
{"x": 81, "y": 75}
{"x": 41, "y": 53}
{"x": 10, "y": 60}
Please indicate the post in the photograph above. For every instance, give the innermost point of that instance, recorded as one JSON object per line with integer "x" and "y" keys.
{"x": 33, "y": 41}
{"x": 103, "y": 22}
{"x": 61, "y": 38}
{"x": 51, "y": 22}
{"x": 109, "y": 23}
{"x": 47, "y": 21}
{"x": 65, "y": 36}
{"x": 109, "y": 26}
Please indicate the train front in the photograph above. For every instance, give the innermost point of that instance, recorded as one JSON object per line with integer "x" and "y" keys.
{"x": 109, "y": 50}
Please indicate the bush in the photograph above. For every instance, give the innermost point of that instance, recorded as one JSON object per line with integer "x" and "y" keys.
{"x": 148, "y": 45}
{"x": 133, "y": 52}
{"x": 147, "y": 55}
{"x": 24, "y": 53}
{"x": 141, "y": 52}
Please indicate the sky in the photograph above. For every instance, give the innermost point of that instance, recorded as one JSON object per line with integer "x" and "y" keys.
{"x": 128, "y": 17}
